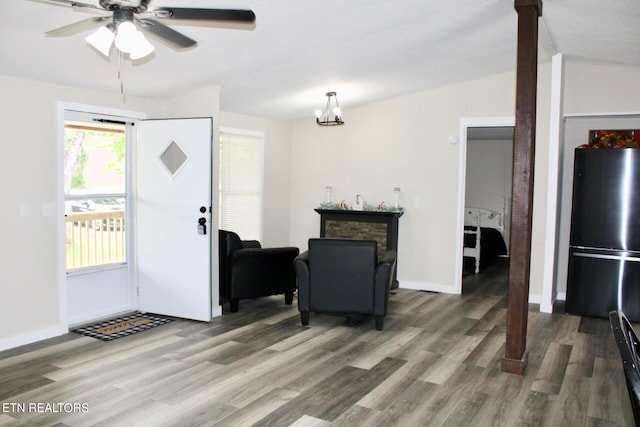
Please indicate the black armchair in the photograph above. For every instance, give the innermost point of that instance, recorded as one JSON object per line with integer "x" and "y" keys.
{"x": 249, "y": 271}
{"x": 344, "y": 277}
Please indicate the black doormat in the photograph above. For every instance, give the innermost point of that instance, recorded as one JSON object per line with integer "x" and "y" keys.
{"x": 119, "y": 327}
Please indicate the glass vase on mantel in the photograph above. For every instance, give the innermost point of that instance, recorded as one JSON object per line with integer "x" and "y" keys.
{"x": 327, "y": 194}
{"x": 396, "y": 197}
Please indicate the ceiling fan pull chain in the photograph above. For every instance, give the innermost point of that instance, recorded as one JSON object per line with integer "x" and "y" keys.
{"x": 121, "y": 74}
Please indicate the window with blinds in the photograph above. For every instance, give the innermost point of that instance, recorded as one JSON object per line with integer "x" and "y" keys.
{"x": 241, "y": 178}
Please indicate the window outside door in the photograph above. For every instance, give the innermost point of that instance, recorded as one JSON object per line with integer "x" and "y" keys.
{"x": 96, "y": 228}
{"x": 95, "y": 190}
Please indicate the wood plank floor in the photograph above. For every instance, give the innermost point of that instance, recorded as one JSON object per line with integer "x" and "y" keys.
{"x": 437, "y": 363}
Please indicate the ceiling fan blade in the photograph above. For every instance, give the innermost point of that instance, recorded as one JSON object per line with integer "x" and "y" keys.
{"x": 78, "y": 27}
{"x": 73, "y": 4}
{"x": 173, "y": 37}
{"x": 195, "y": 14}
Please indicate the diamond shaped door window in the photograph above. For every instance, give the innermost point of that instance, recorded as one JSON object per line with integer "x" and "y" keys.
{"x": 173, "y": 158}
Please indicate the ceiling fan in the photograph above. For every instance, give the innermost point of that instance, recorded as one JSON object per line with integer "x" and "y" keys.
{"x": 120, "y": 20}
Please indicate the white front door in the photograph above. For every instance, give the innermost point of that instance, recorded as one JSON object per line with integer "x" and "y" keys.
{"x": 173, "y": 195}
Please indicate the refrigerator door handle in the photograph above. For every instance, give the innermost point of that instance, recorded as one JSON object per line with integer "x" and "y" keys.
{"x": 603, "y": 256}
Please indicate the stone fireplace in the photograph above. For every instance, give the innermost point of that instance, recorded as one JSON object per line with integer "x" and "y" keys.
{"x": 381, "y": 226}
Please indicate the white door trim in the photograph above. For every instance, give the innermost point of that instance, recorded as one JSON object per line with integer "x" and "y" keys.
{"x": 556, "y": 131}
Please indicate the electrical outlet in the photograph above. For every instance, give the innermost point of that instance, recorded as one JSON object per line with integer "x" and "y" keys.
{"x": 416, "y": 202}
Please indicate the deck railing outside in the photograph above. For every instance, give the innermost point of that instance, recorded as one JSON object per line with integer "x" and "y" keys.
{"x": 95, "y": 238}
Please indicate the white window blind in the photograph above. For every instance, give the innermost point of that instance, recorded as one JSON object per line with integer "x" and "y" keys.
{"x": 241, "y": 176}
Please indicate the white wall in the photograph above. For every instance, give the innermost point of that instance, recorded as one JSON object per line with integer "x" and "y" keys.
{"x": 30, "y": 278}
{"x": 595, "y": 89}
{"x": 489, "y": 170}
{"x": 400, "y": 142}
{"x": 32, "y": 285}
{"x": 489, "y": 177}
{"x": 405, "y": 142}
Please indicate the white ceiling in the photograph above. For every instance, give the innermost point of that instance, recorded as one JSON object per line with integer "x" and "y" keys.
{"x": 366, "y": 50}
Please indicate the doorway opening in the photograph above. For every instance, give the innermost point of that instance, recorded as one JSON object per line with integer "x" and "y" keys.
{"x": 97, "y": 225}
{"x": 486, "y": 164}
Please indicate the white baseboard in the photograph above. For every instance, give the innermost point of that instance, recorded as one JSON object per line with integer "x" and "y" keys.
{"x": 430, "y": 287}
{"x": 446, "y": 289}
{"x": 535, "y": 299}
{"x": 216, "y": 311}
{"x": 31, "y": 337}
{"x": 546, "y": 308}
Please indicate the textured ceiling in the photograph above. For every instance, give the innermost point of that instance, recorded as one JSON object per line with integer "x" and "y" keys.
{"x": 366, "y": 50}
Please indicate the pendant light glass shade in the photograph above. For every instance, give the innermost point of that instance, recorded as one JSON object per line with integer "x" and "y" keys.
{"x": 102, "y": 40}
{"x": 142, "y": 47}
{"x": 126, "y": 37}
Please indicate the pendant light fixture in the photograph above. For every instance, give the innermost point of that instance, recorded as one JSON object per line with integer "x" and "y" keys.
{"x": 332, "y": 115}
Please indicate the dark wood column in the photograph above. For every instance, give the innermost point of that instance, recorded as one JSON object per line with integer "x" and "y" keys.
{"x": 515, "y": 359}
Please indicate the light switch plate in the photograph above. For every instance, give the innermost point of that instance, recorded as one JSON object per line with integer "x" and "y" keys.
{"x": 48, "y": 209}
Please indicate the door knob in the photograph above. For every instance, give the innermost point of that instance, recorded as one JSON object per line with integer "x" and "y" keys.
{"x": 202, "y": 228}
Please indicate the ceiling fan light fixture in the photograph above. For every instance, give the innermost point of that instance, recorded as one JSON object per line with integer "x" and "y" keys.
{"x": 332, "y": 115}
{"x": 102, "y": 39}
{"x": 130, "y": 40}
{"x": 126, "y": 14}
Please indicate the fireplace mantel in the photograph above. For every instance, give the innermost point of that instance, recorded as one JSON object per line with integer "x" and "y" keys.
{"x": 381, "y": 226}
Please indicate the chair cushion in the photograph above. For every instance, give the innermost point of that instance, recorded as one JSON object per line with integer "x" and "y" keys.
{"x": 342, "y": 275}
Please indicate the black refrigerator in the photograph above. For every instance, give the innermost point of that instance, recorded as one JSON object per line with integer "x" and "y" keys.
{"x": 604, "y": 251}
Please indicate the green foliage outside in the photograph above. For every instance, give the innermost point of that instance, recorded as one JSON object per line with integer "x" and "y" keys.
{"x": 80, "y": 141}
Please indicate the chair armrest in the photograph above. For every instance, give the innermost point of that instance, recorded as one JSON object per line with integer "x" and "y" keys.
{"x": 389, "y": 257}
{"x": 383, "y": 277}
{"x": 301, "y": 265}
{"x": 304, "y": 257}
{"x": 246, "y": 244}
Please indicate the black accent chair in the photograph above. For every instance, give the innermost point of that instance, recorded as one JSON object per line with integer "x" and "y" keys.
{"x": 629, "y": 348}
{"x": 249, "y": 271}
{"x": 344, "y": 277}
